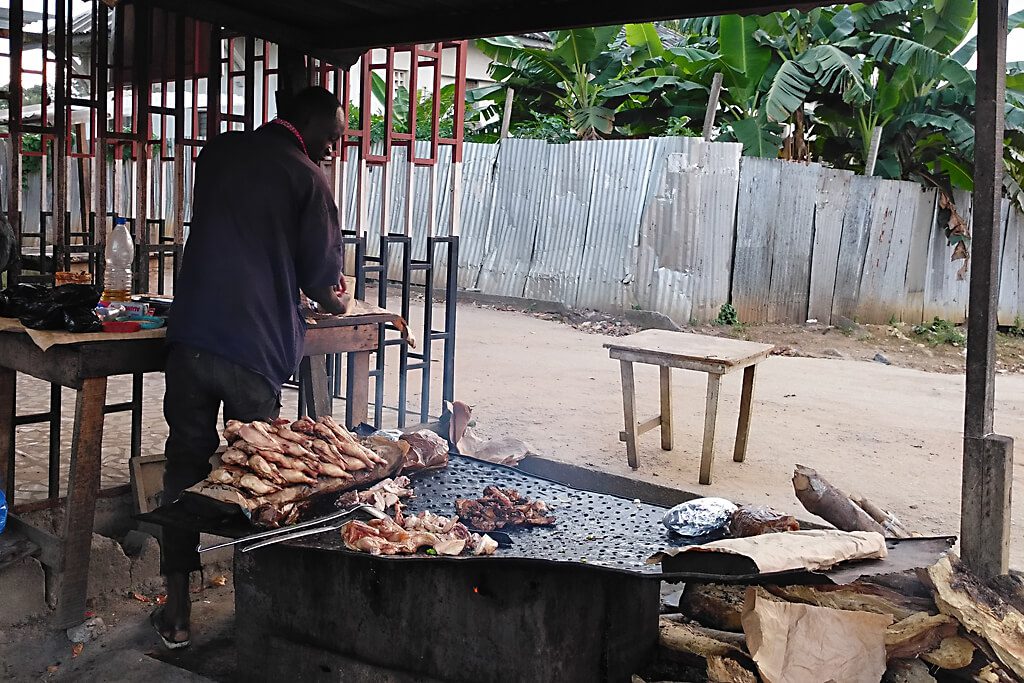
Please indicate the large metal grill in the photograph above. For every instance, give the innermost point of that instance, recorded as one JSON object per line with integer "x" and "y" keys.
{"x": 592, "y": 529}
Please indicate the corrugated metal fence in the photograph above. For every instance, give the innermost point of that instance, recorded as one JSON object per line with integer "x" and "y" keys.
{"x": 681, "y": 226}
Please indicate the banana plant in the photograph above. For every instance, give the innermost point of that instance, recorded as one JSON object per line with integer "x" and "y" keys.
{"x": 569, "y": 78}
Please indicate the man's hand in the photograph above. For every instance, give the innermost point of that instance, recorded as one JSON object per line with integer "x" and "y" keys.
{"x": 331, "y": 300}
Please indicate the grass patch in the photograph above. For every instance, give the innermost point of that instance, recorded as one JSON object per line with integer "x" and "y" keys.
{"x": 939, "y": 332}
{"x": 727, "y": 316}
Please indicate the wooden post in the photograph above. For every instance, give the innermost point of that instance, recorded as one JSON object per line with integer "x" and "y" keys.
{"x": 707, "y": 457}
{"x": 629, "y": 411}
{"x": 358, "y": 395}
{"x": 876, "y": 140}
{"x": 709, "y": 116}
{"x": 739, "y": 453}
{"x": 666, "y": 407}
{"x": 8, "y": 388}
{"x": 988, "y": 459}
{"x": 83, "y": 487}
{"x": 315, "y": 386}
{"x": 506, "y": 117}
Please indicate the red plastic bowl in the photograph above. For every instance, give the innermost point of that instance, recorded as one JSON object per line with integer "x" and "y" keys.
{"x": 122, "y": 326}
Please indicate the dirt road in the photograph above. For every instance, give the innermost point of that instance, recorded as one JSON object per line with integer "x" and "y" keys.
{"x": 891, "y": 434}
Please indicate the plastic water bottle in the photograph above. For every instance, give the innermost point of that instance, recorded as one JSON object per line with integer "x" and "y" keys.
{"x": 120, "y": 255}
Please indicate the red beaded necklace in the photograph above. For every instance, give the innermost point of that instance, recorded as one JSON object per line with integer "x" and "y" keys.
{"x": 294, "y": 131}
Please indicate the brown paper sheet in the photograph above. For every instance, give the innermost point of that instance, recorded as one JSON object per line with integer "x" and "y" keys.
{"x": 810, "y": 550}
{"x": 794, "y": 643}
{"x": 44, "y": 339}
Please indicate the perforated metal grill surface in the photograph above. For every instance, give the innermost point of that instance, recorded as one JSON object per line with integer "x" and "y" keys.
{"x": 593, "y": 529}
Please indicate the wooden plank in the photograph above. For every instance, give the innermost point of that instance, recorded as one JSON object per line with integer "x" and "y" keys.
{"x": 755, "y": 236}
{"x": 664, "y": 345}
{"x": 48, "y": 544}
{"x": 853, "y": 247}
{"x": 8, "y": 391}
{"x": 945, "y": 295}
{"x": 83, "y": 486}
{"x": 629, "y": 411}
{"x": 739, "y": 453}
{"x": 917, "y": 260}
{"x": 830, "y": 207}
{"x": 644, "y": 427}
{"x": 666, "y": 408}
{"x": 1009, "y": 311}
{"x": 871, "y": 305}
{"x": 325, "y": 340}
{"x": 710, "y": 420}
{"x": 793, "y": 243}
{"x": 20, "y": 353}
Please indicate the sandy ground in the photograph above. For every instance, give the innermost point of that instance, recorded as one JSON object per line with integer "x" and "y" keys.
{"x": 889, "y": 433}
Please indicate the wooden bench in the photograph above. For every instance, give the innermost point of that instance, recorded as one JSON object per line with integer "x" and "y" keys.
{"x": 714, "y": 355}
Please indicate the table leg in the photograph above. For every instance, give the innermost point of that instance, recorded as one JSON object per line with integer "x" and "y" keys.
{"x": 83, "y": 486}
{"x": 710, "y": 417}
{"x": 666, "y": 408}
{"x": 746, "y": 400}
{"x": 629, "y": 411}
{"x": 8, "y": 382}
{"x": 313, "y": 378}
{"x": 358, "y": 394}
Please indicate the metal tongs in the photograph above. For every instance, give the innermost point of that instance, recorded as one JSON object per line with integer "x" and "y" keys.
{"x": 289, "y": 533}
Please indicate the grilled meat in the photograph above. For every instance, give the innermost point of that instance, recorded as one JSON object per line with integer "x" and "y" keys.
{"x": 500, "y": 508}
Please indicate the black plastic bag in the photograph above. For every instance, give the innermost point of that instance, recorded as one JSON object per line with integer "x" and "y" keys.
{"x": 42, "y": 315}
{"x": 81, "y": 319}
{"x": 17, "y": 299}
{"x": 78, "y": 296}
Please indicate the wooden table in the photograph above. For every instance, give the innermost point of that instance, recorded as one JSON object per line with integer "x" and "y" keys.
{"x": 85, "y": 367}
{"x": 715, "y": 356}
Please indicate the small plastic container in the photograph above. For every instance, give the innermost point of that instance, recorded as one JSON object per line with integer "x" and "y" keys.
{"x": 121, "y": 326}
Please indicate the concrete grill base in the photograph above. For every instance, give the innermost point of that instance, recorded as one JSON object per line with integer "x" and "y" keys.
{"x": 307, "y": 614}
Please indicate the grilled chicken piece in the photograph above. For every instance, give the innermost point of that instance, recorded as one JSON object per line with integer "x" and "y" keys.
{"x": 259, "y": 465}
{"x": 304, "y": 425}
{"x": 234, "y": 456}
{"x": 258, "y": 438}
{"x": 227, "y": 474}
{"x": 283, "y": 461}
{"x": 285, "y": 432}
{"x": 296, "y": 477}
{"x": 257, "y": 485}
{"x": 339, "y": 431}
{"x": 331, "y": 470}
{"x": 231, "y": 430}
{"x": 353, "y": 464}
{"x": 323, "y": 452}
{"x": 454, "y": 546}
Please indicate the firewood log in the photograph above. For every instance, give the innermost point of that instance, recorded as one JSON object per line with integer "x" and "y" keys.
{"x": 980, "y": 609}
{"x": 726, "y": 670}
{"x": 952, "y": 653}
{"x": 857, "y": 596}
{"x": 687, "y": 639}
{"x": 712, "y": 604}
{"x": 893, "y": 527}
{"x": 918, "y": 634}
{"x": 826, "y": 501}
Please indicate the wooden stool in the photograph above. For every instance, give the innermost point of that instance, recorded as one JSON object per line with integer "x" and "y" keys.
{"x": 715, "y": 356}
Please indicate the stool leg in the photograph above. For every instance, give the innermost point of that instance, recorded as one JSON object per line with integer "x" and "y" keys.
{"x": 743, "y": 428}
{"x": 8, "y": 385}
{"x": 666, "y": 408}
{"x": 629, "y": 411}
{"x": 710, "y": 418}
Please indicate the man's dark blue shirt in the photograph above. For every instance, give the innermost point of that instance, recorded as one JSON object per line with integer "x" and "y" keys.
{"x": 264, "y": 225}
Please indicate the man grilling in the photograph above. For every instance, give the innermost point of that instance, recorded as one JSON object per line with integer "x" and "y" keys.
{"x": 264, "y": 227}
